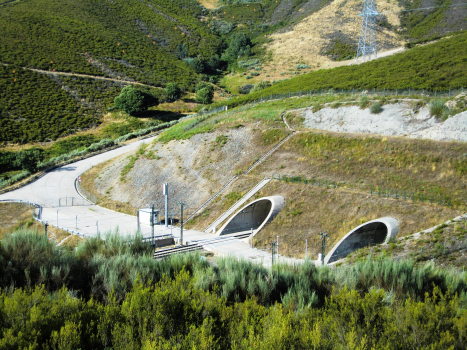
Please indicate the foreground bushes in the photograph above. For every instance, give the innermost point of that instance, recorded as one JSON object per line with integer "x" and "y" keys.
{"x": 109, "y": 294}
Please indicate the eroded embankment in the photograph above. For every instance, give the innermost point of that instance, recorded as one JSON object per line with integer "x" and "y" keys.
{"x": 398, "y": 119}
{"x": 195, "y": 168}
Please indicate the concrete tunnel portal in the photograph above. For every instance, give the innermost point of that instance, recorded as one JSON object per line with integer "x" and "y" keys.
{"x": 254, "y": 215}
{"x": 371, "y": 233}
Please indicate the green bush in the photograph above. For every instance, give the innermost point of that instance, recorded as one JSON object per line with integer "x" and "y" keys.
{"x": 364, "y": 102}
{"x": 437, "y": 108}
{"x": 376, "y": 108}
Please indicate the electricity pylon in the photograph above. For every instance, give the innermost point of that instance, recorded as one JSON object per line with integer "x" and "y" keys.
{"x": 367, "y": 40}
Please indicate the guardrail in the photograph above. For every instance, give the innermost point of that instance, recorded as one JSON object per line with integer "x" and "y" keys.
{"x": 37, "y": 216}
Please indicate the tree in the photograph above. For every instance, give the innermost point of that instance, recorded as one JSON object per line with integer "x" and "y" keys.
{"x": 197, "y": 63}
{"x": 29, "y": 158}
{"x": 205, "y": 94}
{"x": 173, "y": 92}
{"x": 239, "y": 45}
{"x": 133, "y": 101}
{"x": 182, "y": 51}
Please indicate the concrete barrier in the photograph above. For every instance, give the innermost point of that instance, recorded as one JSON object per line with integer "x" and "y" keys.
{"x": 373, "y": 232}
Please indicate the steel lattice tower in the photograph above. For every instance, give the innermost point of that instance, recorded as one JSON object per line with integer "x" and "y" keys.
{"x": 367, "y": 40}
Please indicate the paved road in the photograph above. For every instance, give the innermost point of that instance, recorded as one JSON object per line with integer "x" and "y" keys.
{"x": 89, "y": 219}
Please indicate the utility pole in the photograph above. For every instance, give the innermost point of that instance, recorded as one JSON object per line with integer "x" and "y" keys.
{"x": 277, "y": 247}
{"x": 181, "y": 222}
{"x": 166, "y": 193}
{"x": 273, "y": 250}
{"x": 152, "y": 223}
{"x": 251, "y": 238}
{"x": 323, "y": 246}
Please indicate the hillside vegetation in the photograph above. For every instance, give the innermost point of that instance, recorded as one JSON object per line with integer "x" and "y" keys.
{"x": 439, "y": 66}
{"x": 108, "y": 294}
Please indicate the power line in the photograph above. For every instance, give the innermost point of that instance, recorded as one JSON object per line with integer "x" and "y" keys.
{"x": 423, "y": 8}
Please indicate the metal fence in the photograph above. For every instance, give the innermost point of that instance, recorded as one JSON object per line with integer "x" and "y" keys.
{"x": 86, "y": 194}
{"x": 331, "y": 92}
{"x": 380, "y": 192}
{"x": 72, "y": 201}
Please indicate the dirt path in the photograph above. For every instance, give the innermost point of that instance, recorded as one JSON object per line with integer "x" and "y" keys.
{"x": 89, "y": 76}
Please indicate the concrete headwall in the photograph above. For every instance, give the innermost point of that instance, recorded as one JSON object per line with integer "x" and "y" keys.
{"x": 368, "y": 234}
{"x": 254, "y": 215}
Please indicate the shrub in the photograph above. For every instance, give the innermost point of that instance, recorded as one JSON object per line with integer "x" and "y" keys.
{"x": 255, "y": 74}
{"x": 364, "y": 102}
{"x": 261, "y": 86}
{"x": 437, "y": 108}
{"x": 245, "y": 89}
{"x": 302, "y": 66}
{"x": 335, "y": 105}
{"x": 248, "y": 63}
{"x": 376, "y": 108}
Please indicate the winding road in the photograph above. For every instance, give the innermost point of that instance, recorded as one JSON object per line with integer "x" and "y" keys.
{"x": 51, "y": 190}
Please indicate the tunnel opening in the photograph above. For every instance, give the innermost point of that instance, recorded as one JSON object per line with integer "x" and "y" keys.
{"x": 250, "y": 217}
{"x": 367, "y": 235}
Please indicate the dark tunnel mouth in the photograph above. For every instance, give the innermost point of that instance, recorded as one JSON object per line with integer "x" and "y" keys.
{"x": 366, "y": 236}
{"x": 250, "y": 217}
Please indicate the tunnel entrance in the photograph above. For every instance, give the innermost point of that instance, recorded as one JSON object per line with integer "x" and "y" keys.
{"x": 249, "y": 218}
{"x": 254, "y": 215}
{"x": 369, "y": 234}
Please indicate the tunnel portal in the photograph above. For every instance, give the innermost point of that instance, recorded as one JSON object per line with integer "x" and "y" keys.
{"x": 369, "y": 234}
{"x": 254, "y": 215}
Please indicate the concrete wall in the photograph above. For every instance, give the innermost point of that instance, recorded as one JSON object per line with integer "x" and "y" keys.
{"x": 254, "y": 215}
{"x": 374, "y": 232}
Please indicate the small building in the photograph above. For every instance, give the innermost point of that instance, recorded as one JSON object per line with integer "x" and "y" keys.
{"x": 144, "y": 216}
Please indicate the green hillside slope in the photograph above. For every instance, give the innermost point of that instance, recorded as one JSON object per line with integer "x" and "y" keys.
{"x": 439, "y": 66}
{"x": 132, "y": 37}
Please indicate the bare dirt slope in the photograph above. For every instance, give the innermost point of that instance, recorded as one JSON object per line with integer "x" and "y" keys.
{"x": 307, "y": 40}
{"x": 399, "y": 119}
{"x": 195, "y": 169}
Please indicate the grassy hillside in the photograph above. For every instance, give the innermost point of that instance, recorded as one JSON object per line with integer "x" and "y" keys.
{"x": 129, "y": 40}
{"x": 442, "y": 19}
{"x": 438, "y": 66}
{"x": 135, "y": 38}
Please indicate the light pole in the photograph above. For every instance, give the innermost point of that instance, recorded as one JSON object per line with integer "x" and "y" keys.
{"x": 323, "y": 247}
{"x": 181, "y": 222}
{"x": 165, "y": 190}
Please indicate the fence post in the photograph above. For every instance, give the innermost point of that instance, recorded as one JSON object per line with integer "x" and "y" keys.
{"x": 413, "y": 197}
{"x": 371, "y": 191}
{"x": 397, "y": 195}
{"x": 379, "y": 192}
{"x": 422, "y": 198}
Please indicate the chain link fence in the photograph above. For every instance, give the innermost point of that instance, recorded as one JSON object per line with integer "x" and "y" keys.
{"x": 380, "y": 192}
